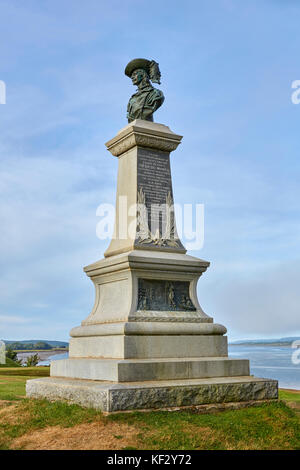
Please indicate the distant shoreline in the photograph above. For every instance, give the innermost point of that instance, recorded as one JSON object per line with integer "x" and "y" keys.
{"x": 40, "y": 350}
{"x": 43, "y": 355}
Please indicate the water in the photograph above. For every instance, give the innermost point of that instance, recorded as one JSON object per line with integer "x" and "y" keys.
{"x": 55, "y": 357}
{"x": 272, "y": 362}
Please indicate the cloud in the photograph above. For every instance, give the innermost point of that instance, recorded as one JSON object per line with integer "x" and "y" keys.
{"x": 48, "y": 220}
{"x": 15, "y": 321}
{"x": 264, "y": 303}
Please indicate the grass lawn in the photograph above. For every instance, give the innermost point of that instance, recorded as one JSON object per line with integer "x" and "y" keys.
{"x": 13, "y": 380}
{"x": 289, "y": 395}
{"x": 26, "y": 371}
{"x": 9, "y": 363}
{"x": 39, "y": 424}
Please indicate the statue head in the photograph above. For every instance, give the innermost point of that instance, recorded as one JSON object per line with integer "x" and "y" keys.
{"x": 149, "y": 68}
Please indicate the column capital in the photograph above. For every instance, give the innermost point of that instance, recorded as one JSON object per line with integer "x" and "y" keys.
{"x": 140, "y": 133}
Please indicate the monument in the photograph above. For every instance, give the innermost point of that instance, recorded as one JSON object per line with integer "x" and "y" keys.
{"x": 2, "y": 353}
{"x": 147, "y": 343}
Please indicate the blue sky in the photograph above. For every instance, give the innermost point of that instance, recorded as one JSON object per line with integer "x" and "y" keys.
{"x": 227, "y": 68}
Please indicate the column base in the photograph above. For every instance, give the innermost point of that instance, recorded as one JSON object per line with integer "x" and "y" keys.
{"x": 114, "y": 396}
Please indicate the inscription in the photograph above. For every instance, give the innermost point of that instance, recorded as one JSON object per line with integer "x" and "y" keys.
{"x": 154, "y": 178}
{"x": 156, "y": 218}
{"x": 154, "y": 174}
{"x": 164, "y": 295}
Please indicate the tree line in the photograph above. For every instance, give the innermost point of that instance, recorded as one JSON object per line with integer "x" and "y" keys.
{"x": 18, "y": 346}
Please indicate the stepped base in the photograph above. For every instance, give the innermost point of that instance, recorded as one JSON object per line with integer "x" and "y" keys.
{"x": 113, "y": 396}
{"x": 133, "y": 370}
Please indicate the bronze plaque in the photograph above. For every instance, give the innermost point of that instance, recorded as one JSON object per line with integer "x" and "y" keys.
{"x": 164, "y": 295}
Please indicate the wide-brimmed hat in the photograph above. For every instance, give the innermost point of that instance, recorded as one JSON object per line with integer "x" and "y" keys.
{"x": 137, "y": 64}
{"x": 150, "y": 66}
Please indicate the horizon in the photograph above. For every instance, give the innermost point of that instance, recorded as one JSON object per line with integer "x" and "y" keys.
{"x": 231, "y": 340}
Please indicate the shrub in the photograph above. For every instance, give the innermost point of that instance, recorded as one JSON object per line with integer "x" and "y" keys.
{"x": 32, "y": 361}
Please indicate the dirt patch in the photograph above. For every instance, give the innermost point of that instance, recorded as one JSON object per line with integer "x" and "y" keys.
{"x": 295, "y": 405}
{"x": 4, "y": 403}
{"x": 199, "y": 431}
{"x": 88, "y": 436}
{"x": 8, "y": 415}
{"x": 11, "y": 414}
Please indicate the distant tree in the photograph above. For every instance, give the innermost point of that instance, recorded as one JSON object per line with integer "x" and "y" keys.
{"x": 42, "y": 345}
{"x": 20, "y": 346}
{"x": 15, "y": 346}
{"x": 11, "y": 354}
{"x": 32, "y": 361}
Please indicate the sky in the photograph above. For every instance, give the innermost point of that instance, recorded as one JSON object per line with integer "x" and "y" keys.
{"x": 227, "y": 71}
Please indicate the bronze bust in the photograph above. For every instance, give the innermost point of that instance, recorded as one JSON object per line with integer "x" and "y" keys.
{"x": 147, "y": 99}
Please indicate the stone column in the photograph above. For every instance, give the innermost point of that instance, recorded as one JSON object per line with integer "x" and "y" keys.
{"x": 144, "y": 180}
{"x": 146, "y": 299}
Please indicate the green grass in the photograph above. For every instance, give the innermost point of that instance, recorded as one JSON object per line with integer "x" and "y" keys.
{"x": 25, "y": 371}
{"x": 268, "y": 426}
{"x": 9, "y": 363}
{"x": 44, "y": 413}
{"x": 13, "y": 388}
{"x": 289, "y": 396}
{"x": 13, "y": 381}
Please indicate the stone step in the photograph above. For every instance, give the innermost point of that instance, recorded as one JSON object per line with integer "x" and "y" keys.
{"x": 148, "y": 346}
{"x": 132, "y": 370}
{"x": 112, "y": 396}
